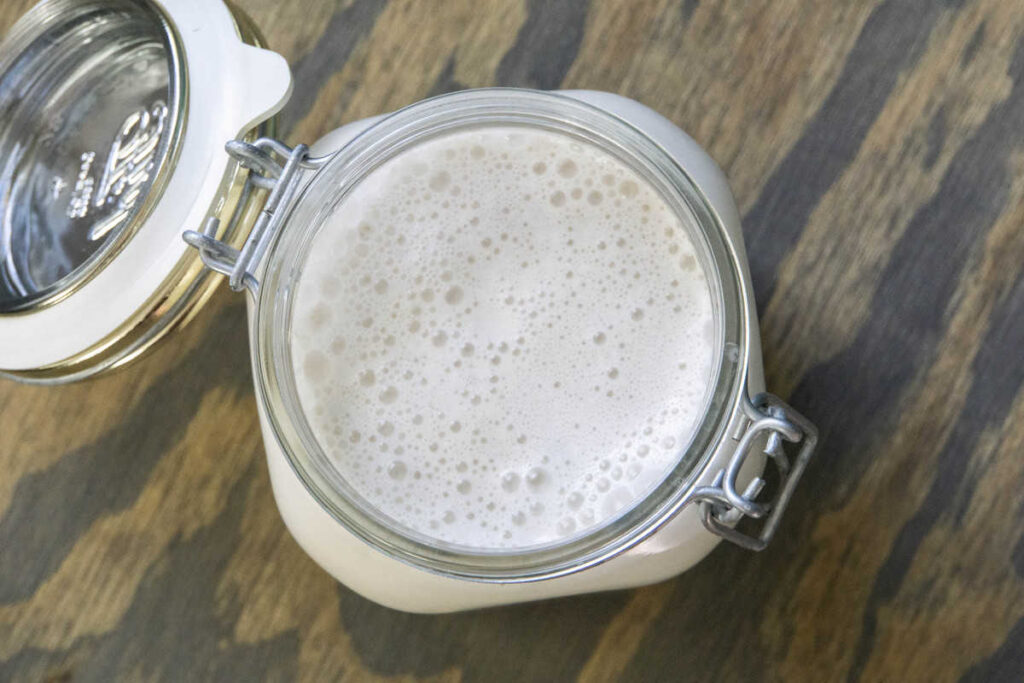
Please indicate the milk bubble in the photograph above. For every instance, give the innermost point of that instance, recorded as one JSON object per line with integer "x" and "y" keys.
{"x": 397, "y": 469}
{"x": 536, "y": 477}
{"x": 510, "y": 482}
{"x": 493, "y": 283}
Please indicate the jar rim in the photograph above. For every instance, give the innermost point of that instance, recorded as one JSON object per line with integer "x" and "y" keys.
{"x": 352, "y": 163}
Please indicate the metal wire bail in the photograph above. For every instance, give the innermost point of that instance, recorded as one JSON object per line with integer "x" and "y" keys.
{"x": 272, "y": 166}
{"x": 722, "y": 506}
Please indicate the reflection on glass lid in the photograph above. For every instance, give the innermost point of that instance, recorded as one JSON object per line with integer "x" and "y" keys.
{"x": 87, "y": 107}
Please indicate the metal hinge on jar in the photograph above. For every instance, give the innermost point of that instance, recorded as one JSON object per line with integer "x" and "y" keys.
{"x": 723, "y": 506}
{"x": 275, "y": 167}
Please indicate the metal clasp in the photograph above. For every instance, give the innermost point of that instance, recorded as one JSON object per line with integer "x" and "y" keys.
{"x": 272, "y": 166}
{"x": 723, "y": 506}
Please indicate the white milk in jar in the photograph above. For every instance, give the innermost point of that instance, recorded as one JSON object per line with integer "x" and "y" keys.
{"x": 503, "y": 337}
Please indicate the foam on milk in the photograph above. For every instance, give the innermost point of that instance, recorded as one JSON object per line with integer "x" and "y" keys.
{"x": 503, "y": 337}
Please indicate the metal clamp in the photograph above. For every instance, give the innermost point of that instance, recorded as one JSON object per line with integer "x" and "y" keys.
{"x": 723, "y": 506}
{"x": 272, "y": 166}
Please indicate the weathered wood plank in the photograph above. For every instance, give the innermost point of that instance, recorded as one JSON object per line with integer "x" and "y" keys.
{"x": 875, "y": 149}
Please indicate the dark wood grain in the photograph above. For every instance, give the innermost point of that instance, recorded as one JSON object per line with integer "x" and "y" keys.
{"x": 876, "y": 149}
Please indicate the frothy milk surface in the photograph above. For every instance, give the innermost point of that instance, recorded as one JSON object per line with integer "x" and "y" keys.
{"x": 503, "y": 337}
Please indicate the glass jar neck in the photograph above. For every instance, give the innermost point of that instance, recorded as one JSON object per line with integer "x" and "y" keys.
{"x": 384, "y": 141}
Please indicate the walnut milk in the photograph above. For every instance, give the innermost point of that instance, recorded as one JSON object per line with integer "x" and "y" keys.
{"x": 503, "y": 341}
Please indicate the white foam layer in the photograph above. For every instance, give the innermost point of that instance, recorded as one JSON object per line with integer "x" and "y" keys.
{"x": 503, "y": 337}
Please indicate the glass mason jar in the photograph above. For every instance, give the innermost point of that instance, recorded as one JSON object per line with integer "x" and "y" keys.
{"x": 68, "y": 241}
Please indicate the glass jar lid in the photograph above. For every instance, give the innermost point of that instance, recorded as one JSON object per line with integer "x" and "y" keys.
{"x": 90, "y": 114}
{"x": 113, "y": 119}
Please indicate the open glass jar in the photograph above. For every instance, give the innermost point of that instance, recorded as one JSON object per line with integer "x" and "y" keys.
{"x": 96, "y": 198}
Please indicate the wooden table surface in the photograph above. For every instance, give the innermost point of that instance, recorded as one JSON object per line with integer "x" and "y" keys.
{"x": 876, "y": 149}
